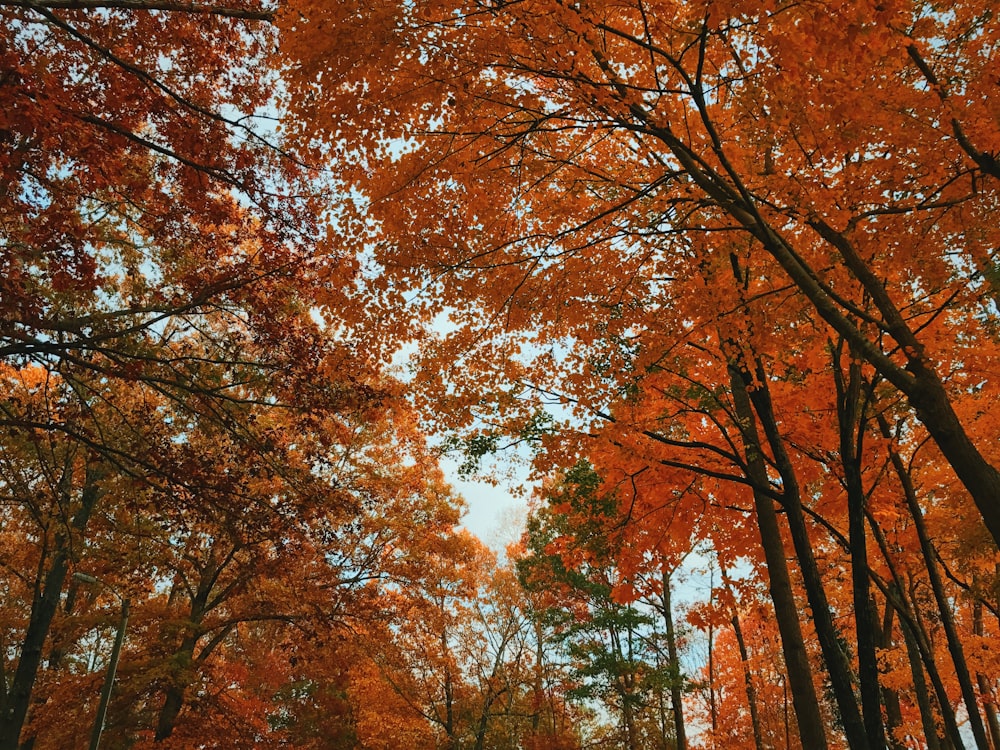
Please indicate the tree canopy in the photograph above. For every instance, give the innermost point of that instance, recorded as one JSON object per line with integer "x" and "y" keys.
{"x": 727, "y": 270}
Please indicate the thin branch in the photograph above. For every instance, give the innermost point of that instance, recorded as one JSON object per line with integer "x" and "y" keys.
{"x": 247, "y": 14}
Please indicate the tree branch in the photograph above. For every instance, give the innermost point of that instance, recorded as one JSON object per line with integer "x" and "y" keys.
{"x": 170, "y": 6}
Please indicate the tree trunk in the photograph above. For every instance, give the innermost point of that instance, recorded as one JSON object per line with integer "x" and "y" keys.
{"x": 758, "y": 737}
{"x": 937, "y": 586}
{"x": 920, "y": 692}
{"x": 985, "y": 687}
{"x": 173, "y": 700}
{"x": 628, "y": 690}
{"x": 676, "y": 699}
{"x": 912, "y": 627}
{"x": 754, "y": 385}
{"x": 837, "y": 664}
{"x": 890, "y": 698}
{"x": 48, "y": 589}
{"x": 713, "y": 709}
{"x": 851, "y": 424}
{"x": 804, "y": 700}
{"x": 537, "y": 685}
{"x": 623, "y": 686}
{"x": 183, "y": 658}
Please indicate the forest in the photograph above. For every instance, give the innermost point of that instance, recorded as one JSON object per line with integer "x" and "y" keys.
{"x": 724, "y": 275}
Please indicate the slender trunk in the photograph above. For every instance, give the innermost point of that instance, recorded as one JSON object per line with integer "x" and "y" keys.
{"x": 628, "y": 691}
{"x": 910, "y": 621}
{"x": 173, "y": 700}
{"x": 536, "y": 715}
{"x": 713, "y": 709}
{"x": 492, "y": 692}
{"x": 753, "y": 390}
{"x": 449, "y": 696}
{"x": 43, "y": 609}
{"x": 483, "y": 725}
{"x": 48, "y": 589}
{"x": 676, "y": 699}
{"x": 837, "y": 664}
{"x": 624, "y": 686}
{"x": 758, "y": 738}
{"x": 985, "y": 687}
{"x": 851, "y": 423}
{"x": 890, "y": 698}
{"x": 751, "y": 690}
{"x": 661, "y": 709}
{"x": 920, "y": 691}
{"x": 804, "y": 700}
{"x": 631, "y": 736}
{"x": 937, "y": 586}
{"x": 788, "y": 728}
{"x": 57, "y": 653}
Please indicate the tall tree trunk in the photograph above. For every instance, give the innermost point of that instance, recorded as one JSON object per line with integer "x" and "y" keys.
{"x": 183, "y": 657}
{"x": 758, "y": 737}
{"x": 837, "y": 664}
{"x": 788, "y": 729}
{"x": 713, "y": 709}
{"x": 985, "y": 686}
{"x": 624, "y": 686}
{"x": 920, "y": 692}
{"x": 676, "y": 698}
{"x": 628, "y": 719}
{"x": 940, "y": 597}
{"x": 173, "y": 699}
{"x": 804, "y": 700}
{"x": 449, "y": 698}
{"x": 537, "y": 685}
{"x": 851, "y": 423}
{"x": 661, "y": 709}
{"x": 912, "y": 627}
{"x": 890, "y": 698}
{"x": 48, "y": 589}
{"x": 910, "y": 622}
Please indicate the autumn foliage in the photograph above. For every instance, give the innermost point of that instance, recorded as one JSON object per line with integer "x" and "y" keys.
{"x": 727, "y": 271}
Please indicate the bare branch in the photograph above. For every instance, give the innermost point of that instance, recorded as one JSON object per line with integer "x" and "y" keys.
{"x": 247, "y": 14}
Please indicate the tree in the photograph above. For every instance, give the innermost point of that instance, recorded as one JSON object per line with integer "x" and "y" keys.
{"x": 155, "y": 232}
{"x": 248, "y": 570}
{"x": 663, "y": 218}
{"x": 751, "y": 684}
{"x": 456, "y": 650}
{"x": 618, "y": 657}
{"x": 160, "y": 296}
{"x": 506, "y": 155}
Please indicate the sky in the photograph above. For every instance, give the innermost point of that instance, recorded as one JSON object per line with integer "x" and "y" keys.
{"x": 496, "y": 512}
